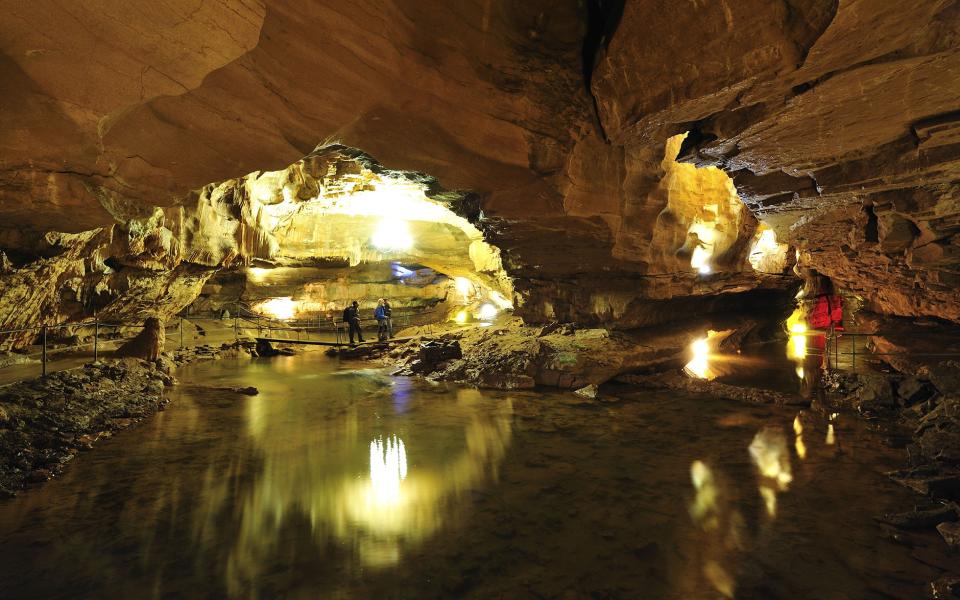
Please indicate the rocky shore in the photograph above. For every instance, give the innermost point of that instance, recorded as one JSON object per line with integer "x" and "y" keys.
{"x": 511, "y": 355}
{"x": 929, "y": 405}
{"x": 45, "y": 422}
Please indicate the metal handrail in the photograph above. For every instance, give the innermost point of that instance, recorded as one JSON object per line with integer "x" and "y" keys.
{"x": 297, "y": 325}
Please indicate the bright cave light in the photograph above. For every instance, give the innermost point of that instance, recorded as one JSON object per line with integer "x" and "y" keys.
{"x": 464, "y": 287}
{"x": 392, "y": 235}
{"x": 488, "y": 312}
{"x": 705, "y": 236}
{"x": 280, "y": 308}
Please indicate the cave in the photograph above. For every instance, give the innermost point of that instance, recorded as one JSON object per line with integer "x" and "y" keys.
{"x": 569, "y": 299}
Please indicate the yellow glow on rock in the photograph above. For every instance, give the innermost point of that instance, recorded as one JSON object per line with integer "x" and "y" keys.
{"x": 461, "y": 317}
{"x": 257, "y": 274}
{"x": 706, "y": 235}
{"x": 500, "y": 300}
{"x": 767, "y": 254}
{"x": 280, "y": 308}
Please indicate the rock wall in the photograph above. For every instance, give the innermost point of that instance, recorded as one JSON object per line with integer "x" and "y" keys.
{"x": 835, "y": 120}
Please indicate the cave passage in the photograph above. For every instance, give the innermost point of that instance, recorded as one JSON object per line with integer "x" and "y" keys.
{"x": 480, "y": 299}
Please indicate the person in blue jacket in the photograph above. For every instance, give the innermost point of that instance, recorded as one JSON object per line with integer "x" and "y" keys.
{"x": 380, "y": 314}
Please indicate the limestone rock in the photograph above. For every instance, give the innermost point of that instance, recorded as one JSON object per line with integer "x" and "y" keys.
{"x": 875, "y": 393}
{"x": 950, "y": 532}
{"x": 564, "y": 141}
{"x": 148, "y": 344}
{"x": 589, "y": 391}
{"x": 912, "y": 391}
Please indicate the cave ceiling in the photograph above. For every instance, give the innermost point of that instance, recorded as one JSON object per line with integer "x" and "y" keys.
{"x": 837, "y": 121}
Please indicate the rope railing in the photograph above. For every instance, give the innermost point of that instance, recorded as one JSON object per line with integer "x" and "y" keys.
{"x": 251, "y": 319}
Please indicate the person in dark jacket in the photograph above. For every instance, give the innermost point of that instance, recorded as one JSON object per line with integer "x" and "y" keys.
{"x": 351, "y": 316}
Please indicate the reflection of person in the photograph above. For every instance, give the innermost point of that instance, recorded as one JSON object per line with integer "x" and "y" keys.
{"x": 381, "y": 316}
{"x": 351, "y": 316}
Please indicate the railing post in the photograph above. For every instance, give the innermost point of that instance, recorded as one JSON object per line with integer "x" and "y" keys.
{"x": 853, "y": 351}
{"x": 181, "y": 333}
{"x": 236, "y": 327}
{"x": 836, "y": 352}
{"x": 96, "y": 338}
{"x": 44, "y": 359}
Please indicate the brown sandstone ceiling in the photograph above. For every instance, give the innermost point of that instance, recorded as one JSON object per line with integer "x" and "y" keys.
{"x": 830, "y": 115}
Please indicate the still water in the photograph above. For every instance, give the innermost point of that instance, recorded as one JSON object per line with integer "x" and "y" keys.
{"x": 339, "y": 482}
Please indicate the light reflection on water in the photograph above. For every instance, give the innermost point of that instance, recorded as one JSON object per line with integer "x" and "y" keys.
{"x": 354, "y": 484}
{"x": 364, "y": 492}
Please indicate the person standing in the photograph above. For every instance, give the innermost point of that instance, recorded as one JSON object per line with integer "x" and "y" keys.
{"x": 380, "y": 315}
{"x": 351, "y": 316}
{"x": 388, "y": 315}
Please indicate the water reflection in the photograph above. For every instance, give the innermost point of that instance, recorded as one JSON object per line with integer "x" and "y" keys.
{"x": 302, "y": 492}
{"x": 705, "y": 361}
{"x": 800, "y": 447}
{"x": 368, "y": 474}
{"x": 721, "y": 527}
{"x": 770, "y": 456}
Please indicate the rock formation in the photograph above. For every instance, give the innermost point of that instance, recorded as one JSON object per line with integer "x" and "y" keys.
{"x": 552, "y": 126}
{"x": 148, "y": 344}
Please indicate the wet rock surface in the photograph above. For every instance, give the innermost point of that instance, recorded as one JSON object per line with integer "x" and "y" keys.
{"x": 266, "y": 349}
{"x": 44, "y": 422}
{"x": 51, "y": 418}
{"x": 514, "y": 356}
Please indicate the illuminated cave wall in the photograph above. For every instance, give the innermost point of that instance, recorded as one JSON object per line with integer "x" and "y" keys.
{"x": 336, "y": 227}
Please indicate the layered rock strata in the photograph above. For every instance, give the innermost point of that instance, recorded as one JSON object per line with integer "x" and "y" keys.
{"x": 836, "y": 121}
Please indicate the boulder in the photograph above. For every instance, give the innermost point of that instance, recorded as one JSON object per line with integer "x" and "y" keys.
{"x": 165, "y": 365}
{"x": 265, "y": 348}
{"x": 433, "y": 352}
{"x": 912, "y": 391}
{"x": 148, "y": 344}
{"x": 874, "y": 394}
{"x": 590, "y": 391}
{"x": 950, "y": 531}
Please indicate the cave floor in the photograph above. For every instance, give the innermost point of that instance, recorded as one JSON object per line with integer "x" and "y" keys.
{"x": 339, "y": 481}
